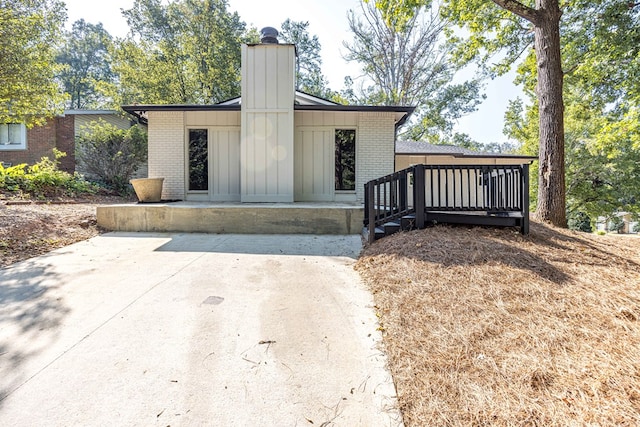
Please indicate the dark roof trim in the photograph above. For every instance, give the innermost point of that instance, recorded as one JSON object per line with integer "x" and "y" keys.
{"x": 138, "y": 110}
{"x": 179, "y": 107}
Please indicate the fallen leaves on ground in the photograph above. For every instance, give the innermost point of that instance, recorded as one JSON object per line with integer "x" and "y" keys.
{"x": 485, "y": 326}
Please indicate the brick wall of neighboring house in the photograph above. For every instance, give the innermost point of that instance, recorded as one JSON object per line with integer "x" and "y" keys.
{"x": 57, "y": 132}
{"x": 375, "y": 148}
{"x": 65, "y": 142}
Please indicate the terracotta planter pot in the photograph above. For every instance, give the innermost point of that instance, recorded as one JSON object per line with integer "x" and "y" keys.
{"x": 148, "y": 189}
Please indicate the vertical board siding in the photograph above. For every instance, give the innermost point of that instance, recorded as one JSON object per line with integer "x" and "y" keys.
{"x": 224, "y": 161}
{"x": 267, "y": 115}
{"x": 314, "y": 165}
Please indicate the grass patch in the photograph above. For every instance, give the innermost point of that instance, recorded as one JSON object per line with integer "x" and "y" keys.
{"x": 488, "y": 327}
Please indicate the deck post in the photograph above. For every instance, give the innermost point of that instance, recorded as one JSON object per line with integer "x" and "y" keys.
{"x": 369, "y": 210}
{"x": 419, "y": 195}
{"x": 402, "y": 183}
{"x": 524, "y": 228}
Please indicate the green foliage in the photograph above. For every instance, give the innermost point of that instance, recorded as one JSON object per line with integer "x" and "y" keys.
{"x": 87, "y": 65}
{"x": 182, "y": 51}
{"x": 111, "y": 155}
{"x": 29, "y": 32}
{"x": 600, "y": 49}
{"x": 616, "y": 224}
{"x": 636, "y": 227}
{"x": 406, "y": 62}
{"x": 309, "y": 77}
{"x": 43, "y": 179}
{"x": 579, "y": 221}
{"x": 602, "y": 152}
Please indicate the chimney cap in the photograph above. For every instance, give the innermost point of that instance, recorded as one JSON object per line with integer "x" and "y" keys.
{"x": 269, "y": 35}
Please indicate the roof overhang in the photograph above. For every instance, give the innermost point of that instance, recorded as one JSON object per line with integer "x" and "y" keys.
{"x": 515, "y": 157}
{"x": 401, "y": 114}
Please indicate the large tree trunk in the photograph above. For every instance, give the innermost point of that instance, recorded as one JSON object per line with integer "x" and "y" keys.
{"x": 551, "y": 180}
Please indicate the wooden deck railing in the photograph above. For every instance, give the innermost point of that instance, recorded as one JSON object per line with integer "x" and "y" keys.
{"x": 420, "y": 190}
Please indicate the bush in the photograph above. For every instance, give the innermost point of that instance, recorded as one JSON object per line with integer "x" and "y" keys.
{"x": 616, "y": 224}
{"x": 636, "y": 227}
{"x": 111, "y": 155}
{"x": 43, "y": 179}
{"x": 580, "y": 221}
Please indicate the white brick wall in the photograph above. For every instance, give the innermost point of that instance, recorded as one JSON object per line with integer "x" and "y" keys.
{"x": 167, "y": 151}
{"x": 375, "y": 149}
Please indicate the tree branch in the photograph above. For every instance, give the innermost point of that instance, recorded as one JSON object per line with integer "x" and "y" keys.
{"x": 513, "y": 6}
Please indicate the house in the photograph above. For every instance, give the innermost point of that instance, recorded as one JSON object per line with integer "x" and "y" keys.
{"x": 277, "y": 160}
{"x": 272, "y": 144}
{"x": 628, "y": 219}
{"x": 410, "y": 153}
{"x": 21, "y": 145}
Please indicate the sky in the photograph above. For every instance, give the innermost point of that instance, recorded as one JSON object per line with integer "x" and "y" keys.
{"x": 328, "y": 20}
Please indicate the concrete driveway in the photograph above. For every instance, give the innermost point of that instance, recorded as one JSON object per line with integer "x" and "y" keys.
{"x": 192, "y": 329}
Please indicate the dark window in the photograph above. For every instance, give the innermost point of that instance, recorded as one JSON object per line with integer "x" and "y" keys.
{"x": 345, "y": 159}
{"x": 198, "y": 160}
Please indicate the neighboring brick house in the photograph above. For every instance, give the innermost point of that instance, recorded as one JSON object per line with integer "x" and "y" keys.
{"x": 272, "y": 144}
{"x": 21, "y": 145}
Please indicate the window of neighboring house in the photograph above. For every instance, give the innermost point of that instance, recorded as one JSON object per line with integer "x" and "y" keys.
{"x": 198, "y": 160}
{"x": 13, "y": 136}
{"x": 345, "y": 159}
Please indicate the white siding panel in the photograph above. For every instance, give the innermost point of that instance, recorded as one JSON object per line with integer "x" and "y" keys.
{"x": 314, "y": 164}
{"x": 326, "y": 118}
{"x": 212, "y": 118}
{"x": 267, "y": 123}
{"x": 224, "y": 161}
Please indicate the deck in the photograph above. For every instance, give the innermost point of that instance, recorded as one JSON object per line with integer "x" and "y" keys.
{"x": 496, "y": 195}
{"x": 234, "y": 218}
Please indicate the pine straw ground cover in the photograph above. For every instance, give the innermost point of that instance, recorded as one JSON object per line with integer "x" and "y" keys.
{"x": 488, "y": 327}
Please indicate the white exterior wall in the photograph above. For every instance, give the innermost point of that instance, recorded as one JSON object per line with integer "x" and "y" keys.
{"x": 375, "y": 148}
{"x": 167, "y": 151}
{"x": 337, "y": 119}
{"x": 195, "y": 119}
{"x": 267, "y": 135}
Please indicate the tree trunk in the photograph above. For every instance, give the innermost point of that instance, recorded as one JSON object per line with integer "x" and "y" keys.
{"x": 551, "y": 180}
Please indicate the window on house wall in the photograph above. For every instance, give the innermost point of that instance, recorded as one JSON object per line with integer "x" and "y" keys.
{"x": 345, "y": 159}
{"x": 198, "y": 160}
{"x": 13, "y": 136}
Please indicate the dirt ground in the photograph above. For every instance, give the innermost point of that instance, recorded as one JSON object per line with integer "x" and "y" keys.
{"x": 31, "y": 228}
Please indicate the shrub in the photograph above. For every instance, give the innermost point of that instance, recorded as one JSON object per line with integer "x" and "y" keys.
{"x": 43, "y": 179}
{"x": 636, "y": 227}
{"x": 616, "y": 224}
{"x": 111, "y": 155}
{"x": 580, "y": 221}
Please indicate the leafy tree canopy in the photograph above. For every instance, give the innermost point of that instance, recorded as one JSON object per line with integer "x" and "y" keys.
{"x": 29, "y": 33}
{"x": 309, "y": 75}
{"x": 183, "y": 51}
{"x": 87, "y": 65}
